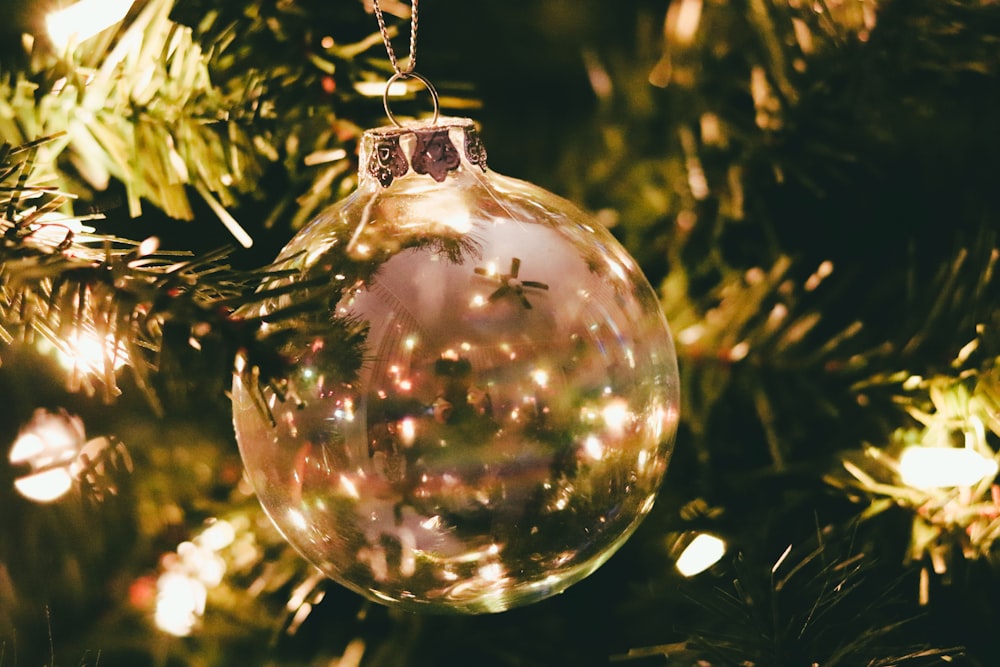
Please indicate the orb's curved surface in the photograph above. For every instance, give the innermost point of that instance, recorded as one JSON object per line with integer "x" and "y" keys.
{"x": 483, "y": 392}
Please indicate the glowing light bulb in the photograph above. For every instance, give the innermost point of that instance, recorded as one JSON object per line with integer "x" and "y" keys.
{"x": 48, "y": 445}
{"x": 85, "y": 351}
{"x": 180, "y": 602}
{"x": 683, "y": 20}
{"x": 218, "y": 536}
{"x": 45, "y": 487}
{"x": 616, "y": 416}
{"x": 377, "y": 88}
{"x": 83, "y": 20}
{"x": 942, "y": 467}
{"x": 704, "y": 551}
{"x": 594, "y": 447}
{"x": 182, "y": 588}
{"x": 408, "y": 431}
{"x": 202, "y": 563}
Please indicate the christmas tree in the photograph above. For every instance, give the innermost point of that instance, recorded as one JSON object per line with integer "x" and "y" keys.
{"x": 807, "y": 185}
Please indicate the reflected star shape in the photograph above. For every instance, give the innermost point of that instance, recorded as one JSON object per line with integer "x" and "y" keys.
{"x": 509, "y": 284}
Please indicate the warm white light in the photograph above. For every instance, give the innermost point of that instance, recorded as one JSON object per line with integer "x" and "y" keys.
{"x": 219, "y": 535}
{"x": 51, "y": 439}
{"x": 594, "y": 447}
{"x": 704, "y": 551}
{"x": 616, "y": 416}
{"x": 491, "y": 572}
{"x": 541, "y": 377}
{"x": 86, "y": 351}
{"x": 443, "y": 207}
{"x": 49, "y": 445}
{"x": 84, "y": 19}
{"x": 939, "y": 467}
{"x": 297, "y": 519}
{"x": 453, "y": 213}
{"x": 26, "y": 447}
{"x": 180, "y": 602}
{"x": 182, "y": 589}
{"x": 377, "y": 88}
{"x": 323, "y": 157}
{"x": 202, "y": 563}
{"x": 240, "y": 364}
{"x": 683, "y": 19}
{"x": 45, "y": 487}
{"x": 148, "y": 246}
{"x": 349, "y": 488}
{"x": 408, "y": 431}
{"x": 657, "y": 422}
{"x": 643, "y": 459}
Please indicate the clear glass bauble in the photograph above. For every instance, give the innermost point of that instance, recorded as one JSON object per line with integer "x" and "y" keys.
{"x": 480, "y": 393}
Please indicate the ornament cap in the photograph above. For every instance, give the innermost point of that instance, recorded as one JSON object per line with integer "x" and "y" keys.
{"x": 432, "y": 148}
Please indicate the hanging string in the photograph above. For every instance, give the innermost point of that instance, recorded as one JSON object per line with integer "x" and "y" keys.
{"x": 408, "y": 72}
{"x": 412, "y": 61}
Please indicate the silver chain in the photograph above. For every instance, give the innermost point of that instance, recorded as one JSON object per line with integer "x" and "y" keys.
{"x": 412, "y": 63}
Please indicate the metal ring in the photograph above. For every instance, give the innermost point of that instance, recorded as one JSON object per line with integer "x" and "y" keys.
{"x": 410, "y": 75}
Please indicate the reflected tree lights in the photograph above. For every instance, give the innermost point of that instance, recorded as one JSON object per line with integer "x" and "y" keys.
{"x": 506, "y": 415}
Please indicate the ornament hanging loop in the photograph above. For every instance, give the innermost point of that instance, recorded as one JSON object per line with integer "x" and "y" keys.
{"x": 402, "y": 76}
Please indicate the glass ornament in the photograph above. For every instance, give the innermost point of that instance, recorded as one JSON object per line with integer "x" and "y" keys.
{"x": 480, "y": 391}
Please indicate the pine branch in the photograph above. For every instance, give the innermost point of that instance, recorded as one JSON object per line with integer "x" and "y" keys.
{"x": 102, "y": 301}
{"x": 953, "y": 505}
{"x": 140, "y": 109}
{"x": 761, "y": 195}
{"x": 203, "y": 120}
{"x": 825, "y": 605}
{"x": 167, "y": 110}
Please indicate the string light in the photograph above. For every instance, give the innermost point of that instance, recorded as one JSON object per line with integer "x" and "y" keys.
{"x": 593, "y": 447}
{"x": 941, "y": 467}
{"x": 87, "y": 352}
{"x": 180, "y": 602}
{"x": 703, "y": 552}
{"x": 378, "y": 88}
{"x": 46, "y": 485}
{"x": 182, "y": 588}
{"x": 48, "y": 445}
{"x": 81, "y": 21}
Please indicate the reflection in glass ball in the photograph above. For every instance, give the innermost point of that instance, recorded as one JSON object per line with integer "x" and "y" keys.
{"x": 483, "y": 392}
